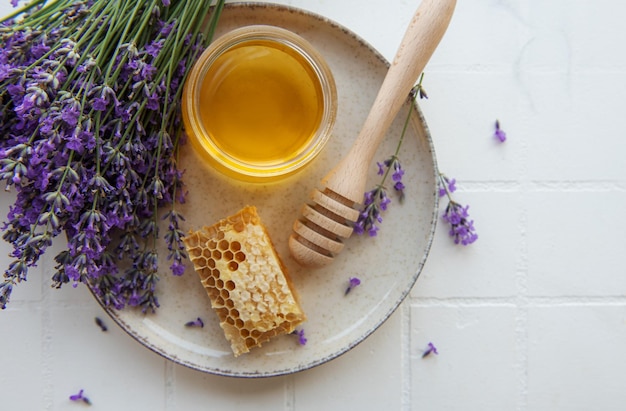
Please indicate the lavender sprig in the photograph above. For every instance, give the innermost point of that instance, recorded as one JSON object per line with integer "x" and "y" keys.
{"x": 462, "y": 228}
{"x": 89, "y": 134}
{"x": 376, "y": 200}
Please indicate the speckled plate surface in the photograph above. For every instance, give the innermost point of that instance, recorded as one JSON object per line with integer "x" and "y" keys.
{"x": 388, "y": 265}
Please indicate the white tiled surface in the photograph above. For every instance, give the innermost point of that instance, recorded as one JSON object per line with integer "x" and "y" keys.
{"x": 531, "y": 317}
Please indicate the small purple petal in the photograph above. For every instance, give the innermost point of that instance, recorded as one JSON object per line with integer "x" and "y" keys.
{"x": 452, "y": 185}
{"x": 197, "y": 323}
{"x": 499, "y": 133}
{"x": 430, "y": 350}
{"x": 80, "y": 397}
{"x": 301, "y": 338}
{"x": 381, "y": 169}
{"x": 353, "y": 282}
{"x": 373, "y": 231}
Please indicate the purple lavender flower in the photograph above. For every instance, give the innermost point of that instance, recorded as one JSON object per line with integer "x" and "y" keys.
{"x": 177, "y": 268}
{"x": 377, "y": 200}
{"x": 352, "y": 283}
{"x": 446, "y": 185}
{"x": 499, "y": 133}
{"x": 300, "y": 334}
{"x": 80, "y": 397}
{"x": 196, "y": 323}
{"x": 431, "y": 349}
{"x": 398, "y": 173}
{"x": 5, "y": 292}
{"x": 461, "y": 227}
{"x": 374, "y": 201}
{"x": 154, "y": 47}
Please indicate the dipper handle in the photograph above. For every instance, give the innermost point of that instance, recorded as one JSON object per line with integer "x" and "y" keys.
{"x": 317, "y": 239}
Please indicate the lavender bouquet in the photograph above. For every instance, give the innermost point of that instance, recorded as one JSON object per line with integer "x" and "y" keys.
{"x": 89, "y": 133}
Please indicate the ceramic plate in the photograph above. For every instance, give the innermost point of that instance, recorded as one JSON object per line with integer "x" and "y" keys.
{"x": 388, "y": 264}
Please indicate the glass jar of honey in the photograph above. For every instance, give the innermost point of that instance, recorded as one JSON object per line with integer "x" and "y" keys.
{"x": 259, "y": 104}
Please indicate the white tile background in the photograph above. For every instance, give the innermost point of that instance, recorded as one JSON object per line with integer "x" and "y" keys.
{"x": 530, "y": 317}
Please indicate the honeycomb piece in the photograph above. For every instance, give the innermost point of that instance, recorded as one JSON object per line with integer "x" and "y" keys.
{"x": 247, "y": 283}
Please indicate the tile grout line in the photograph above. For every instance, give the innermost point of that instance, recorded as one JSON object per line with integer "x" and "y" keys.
{"x": 290, "y": 393}
{"x": 513, "y": 301}
{"x": 169, "y": 391}
{"x": 543, "y": 186}
{"x": 522, "y": 304}
{"x": 521, "y": 275}
{"x": 405, "y": 357}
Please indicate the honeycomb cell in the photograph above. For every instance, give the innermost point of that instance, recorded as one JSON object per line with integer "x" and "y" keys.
{"x": 211, "y": 245}
{"x": 244, "y": 332}
{"x": 216, "y": 254}
{"x": 201, "y": 260}
{"x": 239, "y": 226}
{"x": 192, "y": 240}
{"x": 213, "y": 294}
{"x": 215, "y": 273}
{"x": 239, "y": 323}
{"x": 223, "y": 245}
{"x": 224, "y": 294}
{"x": 228, "y": 255}
{"x": 211, "y": 263}
{"x": 241, "y": 257}
{"x": 235, "y": 246}
{"x": 233, "y": 266}
{"x": 250, "y": 342}
{"x": 219, "y": 284}
{"x": 229, "y": 285}
{"x": 206, "y": 253}
{"x": 222, "y": 313}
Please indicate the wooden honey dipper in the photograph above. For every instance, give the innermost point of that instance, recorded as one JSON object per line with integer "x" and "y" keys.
{"x": 317, "y": 237}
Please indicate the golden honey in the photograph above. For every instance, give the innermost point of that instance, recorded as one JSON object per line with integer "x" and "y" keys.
{"x": 261, "y": 103}
{"x": 258, "y": 107}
